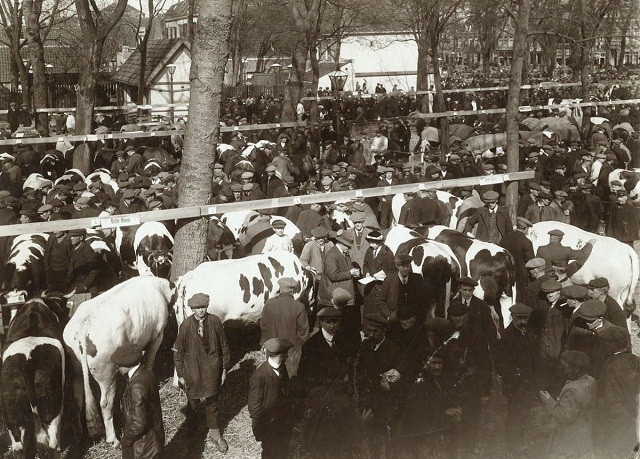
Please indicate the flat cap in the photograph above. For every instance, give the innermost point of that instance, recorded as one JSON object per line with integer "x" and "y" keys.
{"x": 199, "y": 300}
{"x": 610, "y": 157}
{"x": 545, "y": 195}
{"x": 520, "y": 309}
{"x": 236, "y": 187}
{"x": 45, "y": 208}
{"x": 127, "y": 355}
{"x": 217, "y": 166}
{"x": 287, "y": 283}
{"x": 592, "y": 309}
{"x": 468, "y": 281}
{"x": 320, "y": 232}
{"x": 490, "y": 196}
{"x": 457, "y": 310}
{"x": 577, "y": 358}
{"x": 277, "y": 223}
{"x": 522, "y": 222}
{"x": 575, "y": 292}
{"x": 275, "y": 346}
{"x": 247, "y": 187}
{"x": 556, "y": 232}
{"x": 376, "y": 320}
{"x": 78, "y": 232}
{"x": 534, "y": 186}
{"x": 561, "y": 194}
{"x": 218, "y": 173}
{"x": 247, "y": 175}
{"x": 340, "y": 297}
{"x": 342, "y": 164}
{"x": 129, "y": 193}
{"x": 80, "y": 186}
{"x": 550, "y": 285}
{"x": 599, "y": 282}
{"x": 270, "y": 168}
{"x": 601, "y": 156}
{"x": 326, "y": 180}
{"x": 344, "y": 238}
{"x": 374, "y": 236}
{"x": 329, "y": 313}
{"x": 357, "y": 217}
{"x": 403, "y": 258}
{"x": 618, "y": 337}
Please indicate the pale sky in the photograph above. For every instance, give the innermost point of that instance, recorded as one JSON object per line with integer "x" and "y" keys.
{"x": 136, "y": 4}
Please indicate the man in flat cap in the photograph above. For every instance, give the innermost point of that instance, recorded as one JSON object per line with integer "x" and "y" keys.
{"x": 278, "y": 241}
{"x": 622, "y": 221}
{"x": 515, "y": 365}
{"x": 423, "y": 209}
{"x": 285, "y": 317}
{"x": 270, "y": 181}
{"x": 599, "y": 290}
{"x": 379, "y": 263}
{"x": 555, "y": 251}
{"x": 83, "y": 269}
{"x": 375, "y": 375}
{"x": 324, "y": 355}
{"x": 313, "y": 252}
{"x": 202, "y": 359}
{"x": 521, "y": 248}
{"x": 253, "y": 240}
{"x": 533, "y": 294}
{"x": 402, "y": 288}
{"x": 269, "y": 401}
{"x": 493, "y": 221}
{"x": 572, "y": 411}
{"x": 618, "y": 408}
{"x": 313, "y": 217}
{"x": 143, "y": 431}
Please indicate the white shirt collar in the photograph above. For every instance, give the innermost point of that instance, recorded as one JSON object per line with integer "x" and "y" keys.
{"x": 327, "y": 336}
{"x": 272, "y": 363}
{"x": 133, "y": 370}
{"x": 375, "y": 348}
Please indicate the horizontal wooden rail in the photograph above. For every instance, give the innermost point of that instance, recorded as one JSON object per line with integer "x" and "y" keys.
{"x": 203, "y": 211}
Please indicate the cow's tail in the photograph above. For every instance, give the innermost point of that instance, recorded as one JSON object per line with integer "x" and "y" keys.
{"x": 629, "y": 303}
{"x": 94, "y": 424}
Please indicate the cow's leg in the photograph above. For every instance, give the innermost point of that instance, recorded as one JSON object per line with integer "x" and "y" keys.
{"x": 153, "y": 347}
{"x": 107, "y": 397}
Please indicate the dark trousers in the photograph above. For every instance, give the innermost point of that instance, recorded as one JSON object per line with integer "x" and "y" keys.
{"x": 212, "y": 410}
{"x": 276, "y": 440}
{"x": 517, "y": 423}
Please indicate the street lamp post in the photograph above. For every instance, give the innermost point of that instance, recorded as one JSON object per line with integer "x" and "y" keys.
{"x": 171, "y": 68}
{"x": 48, "y": 68}
{"x": 338, "y": 79}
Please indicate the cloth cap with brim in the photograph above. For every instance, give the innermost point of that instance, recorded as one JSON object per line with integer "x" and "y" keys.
{"x": 45, "y": 208}
{"x": 129, "y": 193}
{"x": 562, "y": 264}
{"x": 28, "y": 212}
{"x": 78, "y": 232}
{"x": 329, "y": 313}
{"x": 247, "y": 187}
{"x": 457, "y": 310}
{"x": 276, "y": 346}
{"x": 199, "y": 300}
{"x": 374, "y": 236}
{"x": 535, "y": 186}
{"x": 520, "y": 309}
{"x": 236, "y": 188}
{"x": 601, "y": 156}
{"x": 403, "y": 259}
{"x": 545, "y": 195}
{"x": 81, "y": 186}
{"x": 320, "y": 232}
{"x": 278, "y": 224}
{"x": 4, "y": 194}
{"x": 148, "y": 193}
{"x": 522, "y": 223}
{"x": 585, "y": 186}
{"x": 344, "y": 238}
{"x": 575, "y": 292}
{"x": 599, "y": 282}
{"x": 357, "y": 217}
{"x": 592, "y": 309}
{"x": 577, "y": 358}
{"x": 610, "y": 157}
{"x": 154, "y": 205}
{"x": 556, "y": 232}
{"x": 127, "y": 355}
{"x": 326, "y": 181}
{"x": 490, "y": 196}
{"x": 561, "y": 194}
{"x": 377, "y": 320}
{"x": 340, "y": 297}
{"x": 270, "y": 168}
{"x": 467, "y": 281}
{"x": 287, "y": 283}
{"x": 550, "y": 285}
{"x": 247, "y": 175}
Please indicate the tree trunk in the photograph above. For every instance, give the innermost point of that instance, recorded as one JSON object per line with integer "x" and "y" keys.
{"x": 422, "y": 80}
{"x": 88, "y": 64}
{"x": 296, "y": 80}
{"x": 520, "y": 53}
{"x": 439, "y": 105}
{"x": 209, "y": 53}
{"x": 623, "y": 50}
{"x": 143, "y": 69}
{"x": 315, "y": 78}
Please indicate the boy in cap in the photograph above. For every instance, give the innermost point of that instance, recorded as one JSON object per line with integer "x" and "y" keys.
{"x": 599, "y": 290}
{"x": 285, "y": 317}
{"x": 143, "y": 430}
{"x": 521, "y": 248}
{"x": 516, "y": 367}
{"x": 554, "y": 251}
{"x": 202, "y": 358}
{"x": 573, "y": 410}
{"x": 269, "y": 401}
{"x": 278, "y": 241}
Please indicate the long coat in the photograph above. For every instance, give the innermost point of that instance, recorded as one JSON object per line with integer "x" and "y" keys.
{"x": 268, "y": 401}
{"x": 143, "y": 431}
{"x": 284, "y": 317}
{"x": 200, "y": 361}
{"x": 521, "y": 249}
{"x": 393, "y": 294}
{"x": 573, "y": 412}
{"x": 320, "y": 362}
{"x": 383, "y": 261}
{"x": 481, "y": 218}
{"x": 336, "y": 273}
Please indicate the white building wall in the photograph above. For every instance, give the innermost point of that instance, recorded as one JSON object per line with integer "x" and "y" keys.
{"x": 159, "y": 93}
{"x": 382, "y": 58}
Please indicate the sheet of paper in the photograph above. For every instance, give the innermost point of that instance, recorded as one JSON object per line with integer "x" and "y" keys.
{"x": 367, "y": 280}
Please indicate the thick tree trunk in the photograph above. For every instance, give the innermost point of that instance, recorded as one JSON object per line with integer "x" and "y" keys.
{"x": 520, "y": 53}
{"x": 422, "y": 81}
{"x": 85, "y": 98}
{"x": 295, "y": 83}
{"x": 209, "y": 53}
{"x": 143, "y": 70}
{"x": 439, "y": 104}
{"x": 315, "y": 78}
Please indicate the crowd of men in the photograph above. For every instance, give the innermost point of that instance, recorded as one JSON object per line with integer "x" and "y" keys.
{"x": 416, "y": 382}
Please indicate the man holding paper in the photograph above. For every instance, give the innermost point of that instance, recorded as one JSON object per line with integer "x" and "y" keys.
{"x": 404, "y": 288}
{"x": 378, "y": 264}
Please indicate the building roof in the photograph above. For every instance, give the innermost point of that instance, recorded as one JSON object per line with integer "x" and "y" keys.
{"x": 177, "y": 11}
{"x": 63, "y": 59}
{"x": 159, "y": 53}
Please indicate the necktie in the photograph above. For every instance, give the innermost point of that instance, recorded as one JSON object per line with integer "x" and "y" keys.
{"x": 201, "y": 328}
{"x": 330, "y": 341}
{"x": 404, "y": 280}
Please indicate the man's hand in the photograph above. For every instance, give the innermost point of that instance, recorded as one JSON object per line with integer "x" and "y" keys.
{"x": 355, "y": 272}
{"x": 224, "y": 376}
{"x": 455, "y": 413}
{"x": 366, "y": 414}
{"x": 545, "y": 397}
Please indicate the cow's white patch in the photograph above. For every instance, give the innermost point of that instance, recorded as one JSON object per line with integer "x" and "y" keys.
{"x": 25, "y": 346}
{"x": 24, "y": 247}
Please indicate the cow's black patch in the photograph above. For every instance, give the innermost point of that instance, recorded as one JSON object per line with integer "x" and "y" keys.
{"x": 258, "y": 286}
{"x": 266, "y": 275}
{"x": 92, "y": 350}
{"x": 245, "y": 287}
{"x": 295, "y": 266}
{"x": 459, "y": 245}
{"x": 277, "y": 267}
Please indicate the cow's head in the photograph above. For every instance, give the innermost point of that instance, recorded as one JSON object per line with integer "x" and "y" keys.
{"x": 160, "y": 262}
{"x": 222, "y": 239}
{"x": 632, "y": 185}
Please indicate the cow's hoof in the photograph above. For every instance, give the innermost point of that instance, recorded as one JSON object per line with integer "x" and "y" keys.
{"x": 115, "y": 444}
{"x": 221, "y": 445}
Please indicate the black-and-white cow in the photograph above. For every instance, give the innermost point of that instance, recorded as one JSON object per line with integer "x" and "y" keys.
{"x": 146, "y": 248}
{"x": 33, "y": 377}
{"x": 24, "y": 269}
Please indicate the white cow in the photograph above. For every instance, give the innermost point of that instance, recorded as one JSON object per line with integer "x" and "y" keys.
{"x": 610, "y": 258}
{"x": 450, "y": 200}
{"x": 135, "y": 311}
{"x": 239, "y": 288}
